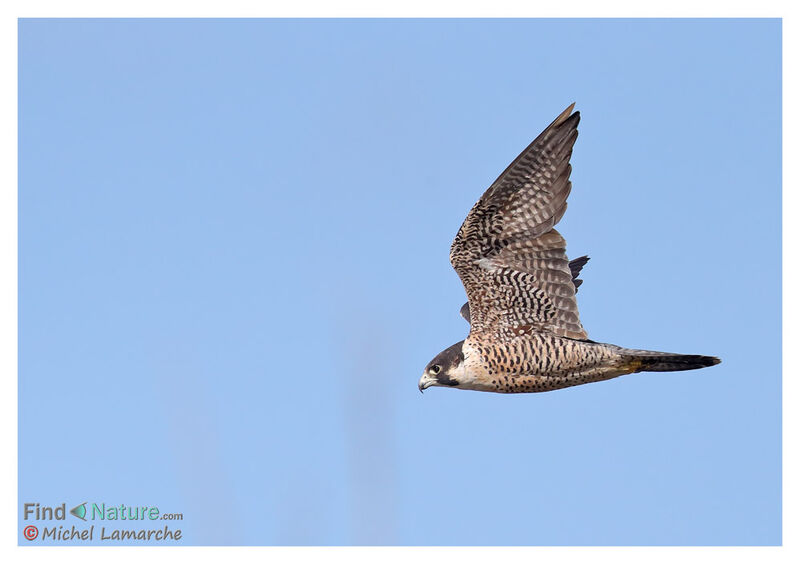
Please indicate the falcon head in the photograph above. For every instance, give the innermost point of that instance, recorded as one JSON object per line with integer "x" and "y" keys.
{"x": 445, "y": 369}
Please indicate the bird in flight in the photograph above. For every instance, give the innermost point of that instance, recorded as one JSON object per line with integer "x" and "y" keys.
{"x": 525, "y": 334}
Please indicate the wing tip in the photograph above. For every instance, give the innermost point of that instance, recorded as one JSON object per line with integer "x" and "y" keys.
{"x": 566, "y": 114}
{"x": 580, "y": 262}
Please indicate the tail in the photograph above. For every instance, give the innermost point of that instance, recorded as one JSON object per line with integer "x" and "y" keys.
{"x": 653, "y": 361}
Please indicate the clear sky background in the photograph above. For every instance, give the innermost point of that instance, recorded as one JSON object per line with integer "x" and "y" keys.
{"x": 233, "y": 267}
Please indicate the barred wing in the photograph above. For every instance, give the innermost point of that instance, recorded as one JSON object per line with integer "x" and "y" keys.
{"x": 511, "y": 261}
{"x": 575, "y": 267}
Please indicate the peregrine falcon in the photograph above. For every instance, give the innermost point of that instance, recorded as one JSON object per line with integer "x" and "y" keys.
{"x": 525, "y": 334}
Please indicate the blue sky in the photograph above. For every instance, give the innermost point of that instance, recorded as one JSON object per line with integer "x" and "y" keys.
{"x": 233, "y": 267}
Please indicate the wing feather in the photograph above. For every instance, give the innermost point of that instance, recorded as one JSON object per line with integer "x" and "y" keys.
{"x": 513, "y": 264}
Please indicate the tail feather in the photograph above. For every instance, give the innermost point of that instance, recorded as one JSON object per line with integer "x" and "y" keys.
{"x": 652, "y": 361}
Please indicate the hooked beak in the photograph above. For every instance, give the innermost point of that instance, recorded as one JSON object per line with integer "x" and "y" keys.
{"x": 426, "y": 382}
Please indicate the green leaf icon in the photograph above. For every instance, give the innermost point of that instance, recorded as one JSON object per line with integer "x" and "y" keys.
{"x": 79, "y": 511}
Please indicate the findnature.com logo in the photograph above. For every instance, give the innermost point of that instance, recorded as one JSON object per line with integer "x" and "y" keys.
{"x": 90, "y": 512}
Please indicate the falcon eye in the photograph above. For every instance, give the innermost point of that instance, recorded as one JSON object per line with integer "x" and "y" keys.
{"x": 435, "y": 369}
